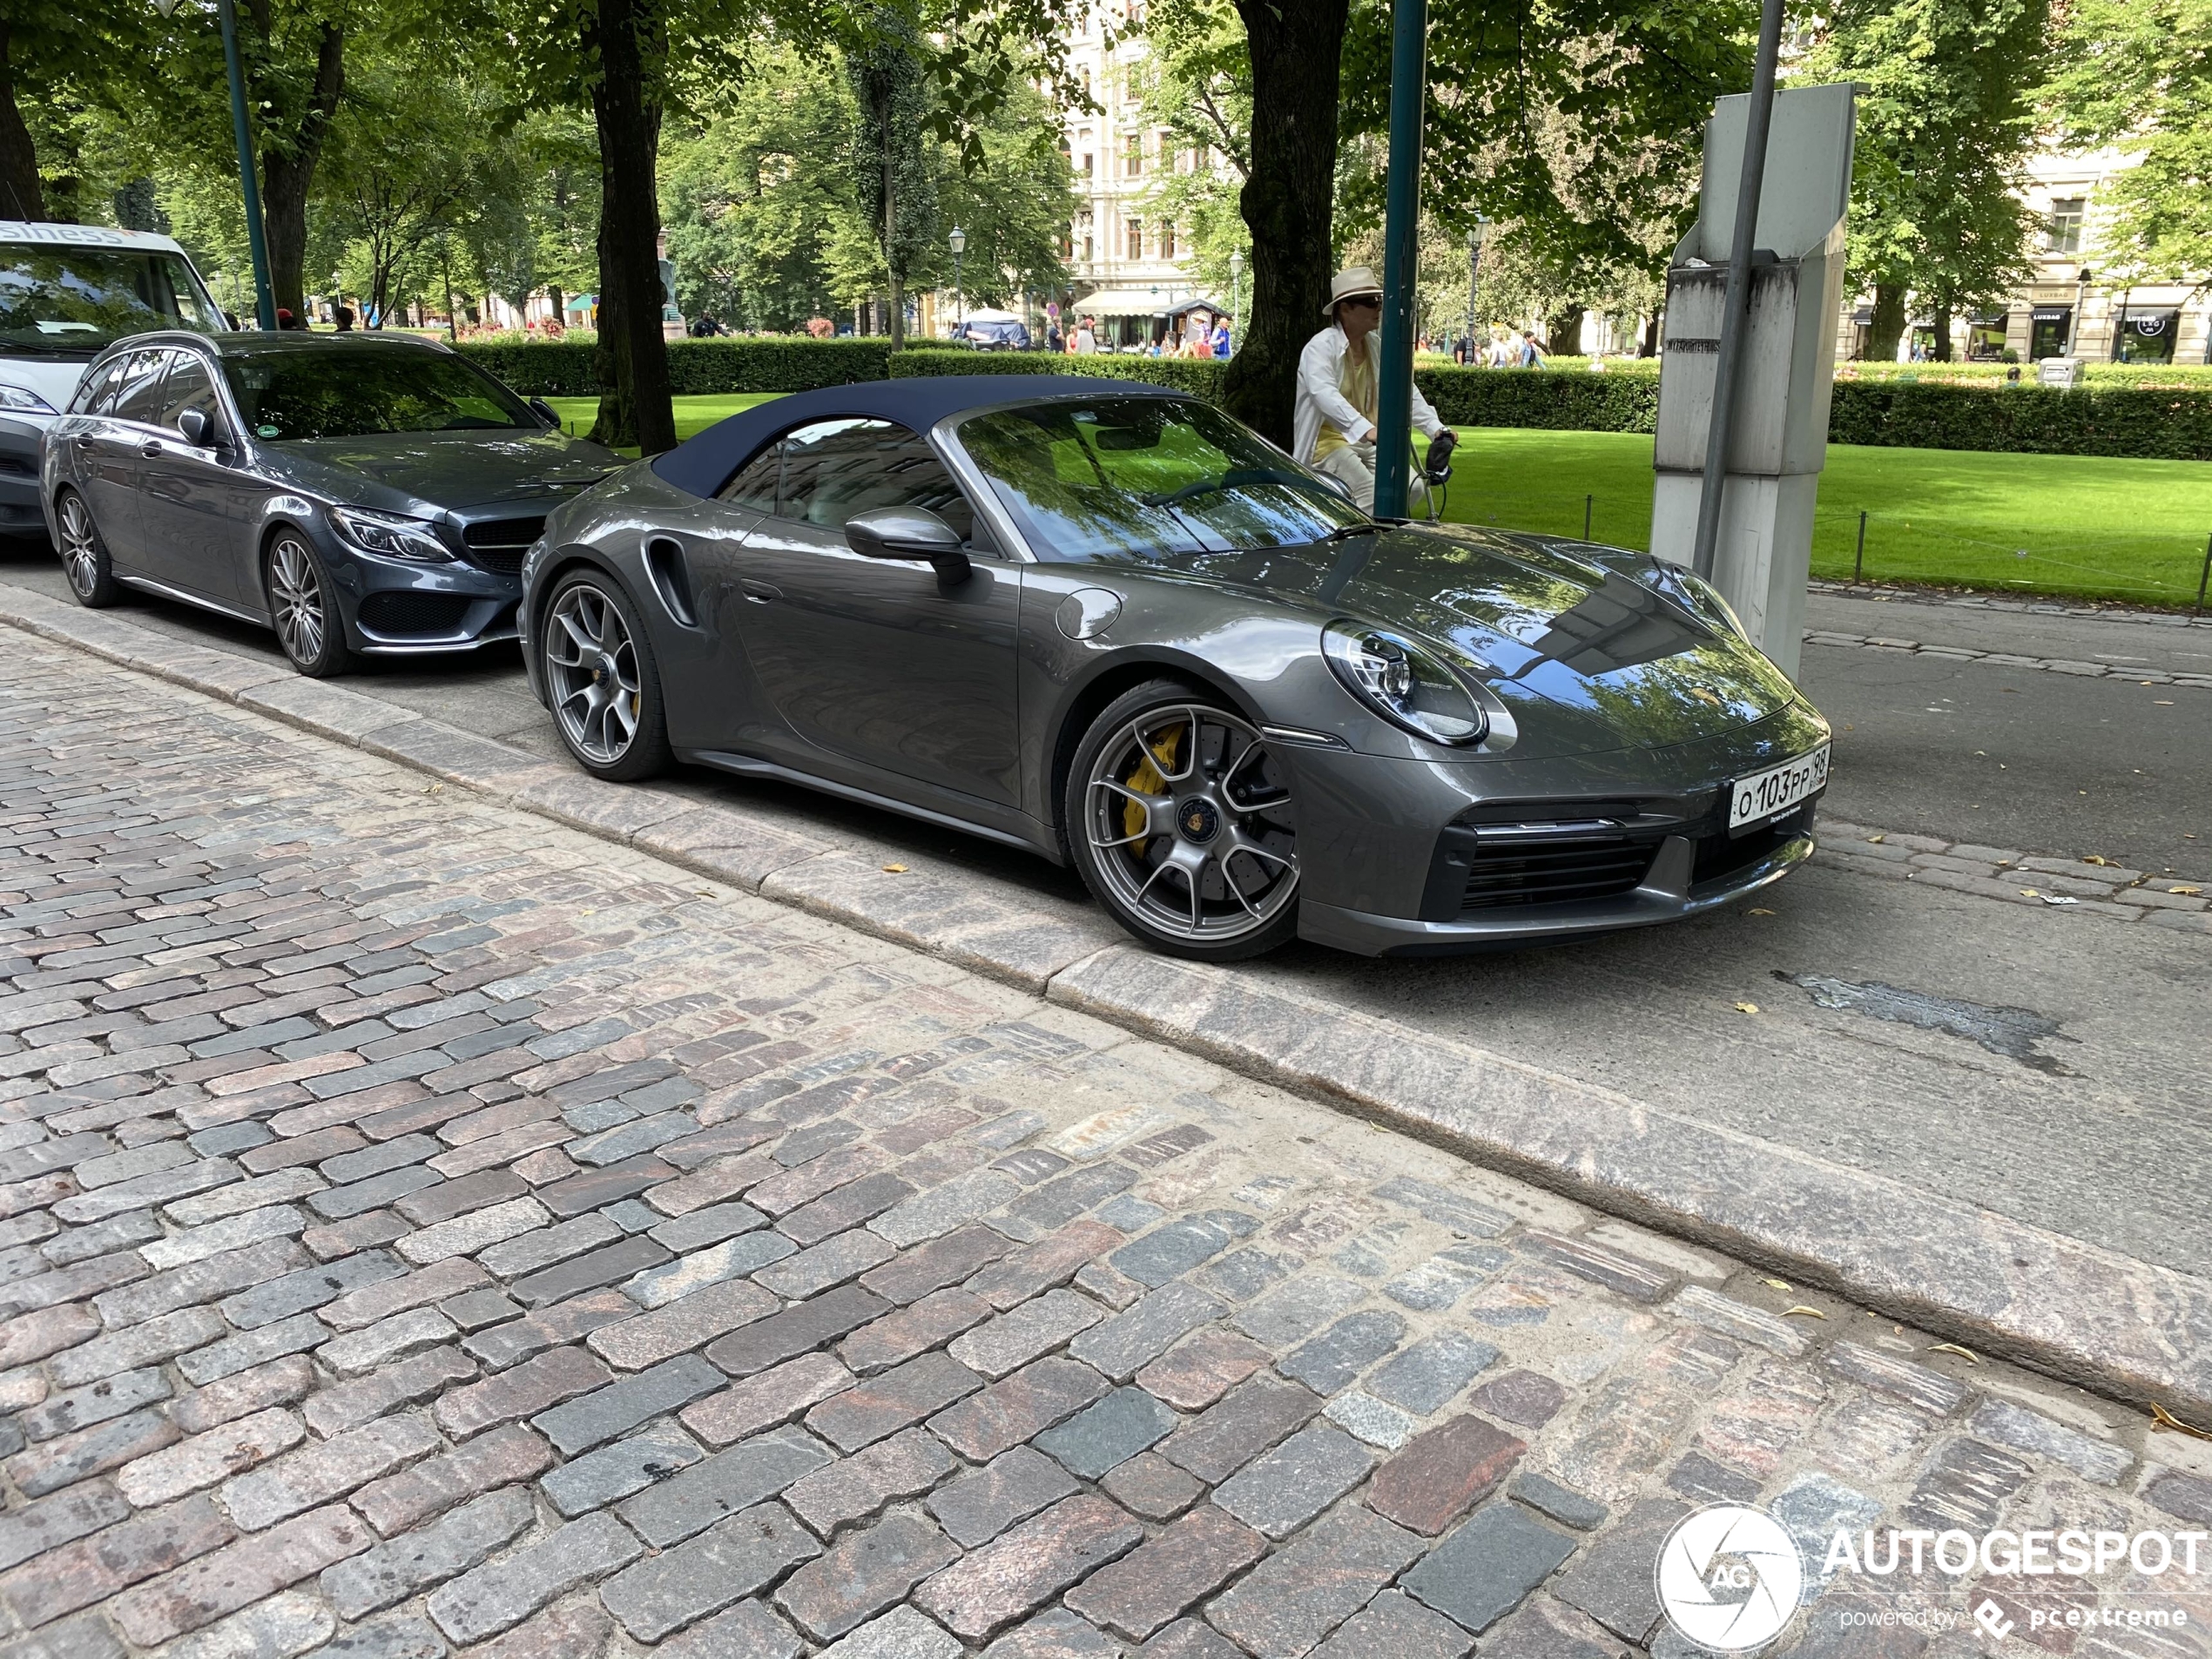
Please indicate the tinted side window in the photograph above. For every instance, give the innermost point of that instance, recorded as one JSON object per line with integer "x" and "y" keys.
{"x": 754, "y": 490}
{"x": 835, "y": 469}
{"x": 97, "y": 392}
{"x": 139, "y": 398}
{"x": 189, "y": 387}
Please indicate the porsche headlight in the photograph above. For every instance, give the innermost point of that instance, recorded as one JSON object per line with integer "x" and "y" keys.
{"x": 1405, "y": 685}
{"x": 391, "y": 534}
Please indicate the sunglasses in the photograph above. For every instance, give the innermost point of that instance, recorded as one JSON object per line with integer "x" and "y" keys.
{"x": 1365, "y": 302}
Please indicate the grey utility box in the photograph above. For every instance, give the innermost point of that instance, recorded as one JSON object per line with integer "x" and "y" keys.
{"x": 1778, "y": 439}
{"x": 2059, "y": 371}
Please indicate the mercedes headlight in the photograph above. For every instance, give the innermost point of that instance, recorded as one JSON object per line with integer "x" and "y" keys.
{"x": 1405, "y": 684}
{"x": 23, "y": 399}
{"x": 394, "y": 535}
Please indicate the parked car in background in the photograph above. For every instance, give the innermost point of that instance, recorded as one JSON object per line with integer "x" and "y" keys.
{"x": 1112, "y": 626}
{"x": 67, "y": 293}
{"x": 993, "y": 330}
{"x": 358, "y": 493}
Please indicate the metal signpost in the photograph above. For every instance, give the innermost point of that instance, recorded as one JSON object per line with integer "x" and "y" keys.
{"x": 1737, "y": 476}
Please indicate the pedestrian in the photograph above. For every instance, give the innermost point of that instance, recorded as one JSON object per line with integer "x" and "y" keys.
{"x": 1530, "y": 357}
{"x": 1086, "y": 338}
{"x": 342, "y": 317}
{"x": 1340, "y": 391}
{"x": 1053, "y": 342}
{"x": 1221, "y": 335}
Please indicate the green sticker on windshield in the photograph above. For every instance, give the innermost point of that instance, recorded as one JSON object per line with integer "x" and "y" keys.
{"x": 266, "y": 431}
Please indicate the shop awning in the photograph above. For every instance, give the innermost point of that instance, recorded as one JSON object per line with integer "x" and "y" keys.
{"x": 1863, "y": 318}
{"x": 1125, "y": 302}
{"x": 2147, "y": 319}
{"x": 1988, "y": 319}
{"x": 2051, "y": 313}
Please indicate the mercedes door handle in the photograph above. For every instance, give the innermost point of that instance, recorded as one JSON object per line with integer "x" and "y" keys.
{"x": 760, "y": 593}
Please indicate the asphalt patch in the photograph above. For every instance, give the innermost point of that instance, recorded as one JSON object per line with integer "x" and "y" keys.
{"x": 2013, "y": 1033}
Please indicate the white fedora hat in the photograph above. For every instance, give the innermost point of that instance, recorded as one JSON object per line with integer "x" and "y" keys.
{"x": 1354, "y": 282}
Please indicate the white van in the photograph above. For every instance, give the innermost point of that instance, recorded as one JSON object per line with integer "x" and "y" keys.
{"x": 67, "y": 292}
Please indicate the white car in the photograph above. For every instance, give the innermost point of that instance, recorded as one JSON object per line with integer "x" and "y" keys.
{"x": 67, "y": 293}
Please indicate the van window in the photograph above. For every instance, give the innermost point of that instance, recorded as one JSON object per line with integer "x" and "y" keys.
{"x": 60, "y": 299}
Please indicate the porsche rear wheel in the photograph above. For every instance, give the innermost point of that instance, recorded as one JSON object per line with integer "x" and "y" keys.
{"x": 604, "y": 683}
{"x": 1178, "y": 815}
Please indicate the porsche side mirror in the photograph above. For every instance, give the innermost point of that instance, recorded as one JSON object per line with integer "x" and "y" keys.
{"x": 909, "y": 533}
{"x": 196, "y": 427}
{"x": 545, "y": 412}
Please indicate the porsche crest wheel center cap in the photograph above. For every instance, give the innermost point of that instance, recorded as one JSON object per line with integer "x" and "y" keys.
{"x": 1198, "y": 819}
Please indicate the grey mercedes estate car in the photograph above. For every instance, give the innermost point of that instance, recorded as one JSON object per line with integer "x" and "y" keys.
{"x": 360, "y": 492}
{"x": 1112, "y": 626}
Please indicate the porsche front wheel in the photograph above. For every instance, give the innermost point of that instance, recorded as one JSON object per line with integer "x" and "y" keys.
{"x": 1178, "y": 815}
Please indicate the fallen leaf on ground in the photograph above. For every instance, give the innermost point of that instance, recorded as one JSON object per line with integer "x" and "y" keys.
{"x": 1747, "y": 1008}
{"x": 1804, "y": 1312}
{"x": 1967, "y": 1355}
{"x": 2031, "y": 892}
{"x": 2187, "y": 892}
{"x": 2161, "y": 1417}
{"x": 1762, "y": 912}
{"x": 2097, "y": 858}
{"x": 894, "y": 869}
{"x": 2162, "y": 701}
{"x": 2059, "y": 898}
{"x": 1878, "y": 837}
{"x": 1775, "y": 1283}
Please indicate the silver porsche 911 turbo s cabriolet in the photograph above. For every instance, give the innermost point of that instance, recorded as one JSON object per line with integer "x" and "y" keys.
{"x": 1109, "y": 624}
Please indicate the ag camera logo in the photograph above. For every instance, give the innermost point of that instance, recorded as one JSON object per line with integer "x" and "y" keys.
{"x": 1729, "y": 1577}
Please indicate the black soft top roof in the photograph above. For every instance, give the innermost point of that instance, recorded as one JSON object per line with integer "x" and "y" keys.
{"x": 704, "y": 464}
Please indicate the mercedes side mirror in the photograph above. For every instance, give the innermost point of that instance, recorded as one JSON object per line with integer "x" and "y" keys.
{"x": 909, "y": 533}
{"x": 197, "y": 427}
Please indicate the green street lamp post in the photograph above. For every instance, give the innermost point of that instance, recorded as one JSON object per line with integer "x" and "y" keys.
{"x": 256, "y": 238}
{"x": 1474, "y": 271}
{"x": 1236, "y": 290}
{"x": 1401, "y": 249}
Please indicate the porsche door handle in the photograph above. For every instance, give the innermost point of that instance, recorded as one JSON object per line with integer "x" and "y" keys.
{"x": 760, "y": 593}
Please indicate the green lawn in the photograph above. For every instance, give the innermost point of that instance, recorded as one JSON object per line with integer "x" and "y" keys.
{"x": 2059, "y": 524}
{"x": 2073, "y": 525}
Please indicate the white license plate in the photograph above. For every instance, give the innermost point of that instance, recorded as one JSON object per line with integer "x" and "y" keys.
{"x": 1764, "y": 795}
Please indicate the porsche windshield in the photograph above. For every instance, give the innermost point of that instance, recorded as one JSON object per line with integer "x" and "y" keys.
{"x": 357, "y": 390}
{"x": 56, "y": 297}
{"x": 1147, "y": 477}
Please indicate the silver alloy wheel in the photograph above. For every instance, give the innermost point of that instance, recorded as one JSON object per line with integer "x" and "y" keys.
{"x": 593, "y": 666}
{"x": 295, "y": 593}
{"x": 1187, "y": 813}
{"x": 80, "y": 546}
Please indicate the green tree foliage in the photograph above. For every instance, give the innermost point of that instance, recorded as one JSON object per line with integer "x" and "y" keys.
{"x": 53, "y": 58}
{"x": 771, "y": 217}
{"x": 2137, "y": 74}
{"x": 1945, "y": 121}
{"x": 892, "y": 182}
{"x": 1196, "y": 85}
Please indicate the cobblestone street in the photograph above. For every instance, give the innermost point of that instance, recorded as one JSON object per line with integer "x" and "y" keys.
{"x": 427, "y": 1229}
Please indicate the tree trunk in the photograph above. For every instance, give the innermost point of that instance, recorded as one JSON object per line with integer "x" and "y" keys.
{"x": 20, "y": 194}
{"x": 1296, "y": 47}
{"x": 288, "y": 172}
{"x": 1563, "y": 330}
{"x": 1888, "y": 325}
{"x": 632, "y": 356}
{"x": 1941, "y": 318}
{"x": 891, "y": 268}
{"x": 1649, "y": 346}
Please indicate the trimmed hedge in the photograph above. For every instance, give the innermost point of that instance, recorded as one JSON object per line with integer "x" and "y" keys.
{"x": 2157, "y": 423}
{"x": 2117, "y": 415}
{"x": 753, "y": 363}
{"x": 1199, "y": 375}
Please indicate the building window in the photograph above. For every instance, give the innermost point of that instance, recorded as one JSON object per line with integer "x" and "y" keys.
{"x": 1089, "y": 165}
{"x": 1133, "y": 157}
{"x": 2063, "y": 233}
{"x": 1167, "y": 241}
{"x": 1136, "y": 238}
{"x": 1090, "y": 248}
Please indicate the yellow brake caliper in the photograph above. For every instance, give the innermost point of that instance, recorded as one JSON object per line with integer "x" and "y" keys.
{"x": 1147, "y": 779}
